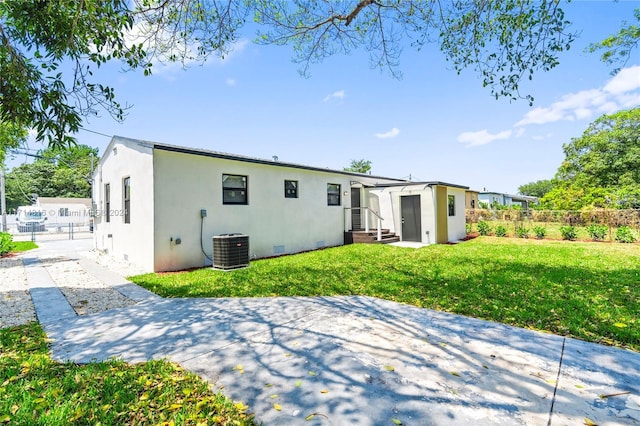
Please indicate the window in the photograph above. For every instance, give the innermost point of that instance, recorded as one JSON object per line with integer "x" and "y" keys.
{"x": 63, "y": 212}
{"x": 234, "y": 189}
{"x": 452, "y": 205}
{"x": 333, "y": 194}
{"x": 107, "y": 202}
{"x": 473, "y": 204}
{"x": 290, "y": 189}
{"x": 126, "y": 190}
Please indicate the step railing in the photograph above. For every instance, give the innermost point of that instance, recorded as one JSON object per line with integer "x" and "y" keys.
{"x": 367, "y": 214}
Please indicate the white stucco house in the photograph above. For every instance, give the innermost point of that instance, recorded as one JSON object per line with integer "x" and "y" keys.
{"x": 159, "y": 205}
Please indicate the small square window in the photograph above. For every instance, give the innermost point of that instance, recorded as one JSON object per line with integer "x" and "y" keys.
{"x": 234, "y": 189}
{"x": 452, "y": 205}
{"x": 290, "y": 189}
{"x": 333, "y": 194}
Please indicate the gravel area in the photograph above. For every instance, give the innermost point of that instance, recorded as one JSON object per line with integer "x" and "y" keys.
{"x": 16, "y": 307}
{"x": 119, "y": 266}
{"x": 85, "y": 293}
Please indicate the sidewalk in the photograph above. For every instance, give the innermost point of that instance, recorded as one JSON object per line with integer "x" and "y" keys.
{"x": 347, "y": 360}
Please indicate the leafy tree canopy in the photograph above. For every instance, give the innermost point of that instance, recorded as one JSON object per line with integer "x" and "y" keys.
{"x": 359, "y": 166}
{"x": 602, "y": 167}
{"x": 57, "y": 172}
{"x": 11, "y": 136}
{"x": 536, "y": 189}
{"x": 617, "y": 48}
{"x": 49, "y": 49}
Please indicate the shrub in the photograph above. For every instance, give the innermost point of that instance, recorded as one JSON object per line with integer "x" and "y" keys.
{"x": 540, "y": 232}
{"x": 522, "y": 232}
{"x": 597, "y": 232}
{"x": 6, "y": 243}
{"x": 569, "y": 232}
{"x": 468, "y": 228}
{"x": 501, "y": 231}
{"x": 625, "y": 235}
{"x": 484, "y": 228}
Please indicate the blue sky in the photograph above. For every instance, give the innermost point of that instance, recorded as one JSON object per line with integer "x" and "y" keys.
{"x": 431, "y": 125}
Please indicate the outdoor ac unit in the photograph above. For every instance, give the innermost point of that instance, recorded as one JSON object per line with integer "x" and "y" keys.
{"x": 230, "y": 251}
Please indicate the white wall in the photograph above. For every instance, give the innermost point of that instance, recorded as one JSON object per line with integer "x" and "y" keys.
{"x": 132, "y": 241}
{"x": 456, "y": 224}
{"x": 388, "y": 200}
{"x": 187, "y": 183}
{"x": 78, "y": 214}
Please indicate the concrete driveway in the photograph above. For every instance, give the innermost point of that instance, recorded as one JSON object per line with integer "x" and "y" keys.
{"x": 350, "y": 360}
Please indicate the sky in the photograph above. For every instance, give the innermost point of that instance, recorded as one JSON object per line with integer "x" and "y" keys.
{"x": 430, "y": 125}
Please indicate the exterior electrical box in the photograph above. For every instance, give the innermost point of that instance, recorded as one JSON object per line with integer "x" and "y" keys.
{"x": 230, "y": 251}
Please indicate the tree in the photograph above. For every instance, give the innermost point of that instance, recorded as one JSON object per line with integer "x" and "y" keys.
{"x": 57, "y": 172}
{"x": 617, "y": 48}
{"x": 49, "y": 49}
{"x": 359, "y": 166}
{"x": 11, "y": 136}
{"x": 602, "y": 167}
{"x": 536, "y": 189}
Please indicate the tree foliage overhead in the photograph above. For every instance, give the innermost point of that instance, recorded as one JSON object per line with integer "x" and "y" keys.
{"x": 617, "y": 48}
{"x": 602, "y": 167}
{"x": 49, "y": 49}
{"x": 55, "y": 173}
{"x": 11, "y": 136}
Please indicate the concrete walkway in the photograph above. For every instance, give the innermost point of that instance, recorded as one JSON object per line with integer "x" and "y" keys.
{"x": 351, "y": 360}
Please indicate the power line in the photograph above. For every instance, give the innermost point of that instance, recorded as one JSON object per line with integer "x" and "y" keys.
{"x": 97, "y": 133}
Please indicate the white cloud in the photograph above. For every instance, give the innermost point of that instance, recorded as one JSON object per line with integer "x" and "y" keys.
{"x": 390, "y": 134}
{"x": 621, "y": 91}
{"x": 339, "y": 95}
{"x": 519, "y": 133}
{"x": 482, "y": 137}
{"x": 230, "y": 82}
{"x": 627, "y": 80}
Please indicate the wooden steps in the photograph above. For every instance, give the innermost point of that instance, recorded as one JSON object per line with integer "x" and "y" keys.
{"x": 370, "y": 237}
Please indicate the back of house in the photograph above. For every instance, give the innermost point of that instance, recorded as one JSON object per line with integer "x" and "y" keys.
{"x": 160, "y": 205}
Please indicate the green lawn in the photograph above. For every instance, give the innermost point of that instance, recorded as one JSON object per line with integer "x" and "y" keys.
{"x": 34, "y": 390}
{"x": 20, "y": 246}
{"x": 584, "y": 290}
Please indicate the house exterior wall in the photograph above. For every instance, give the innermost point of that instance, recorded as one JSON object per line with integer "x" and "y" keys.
{"x": 186, "y": 183}
{"x": 456, "y": 228}
{"x": 63, "y": 211}
{"x": 130, "y": 241}
{"x": 436, "y": 225}
{"x": 471, "y": 200}
{"x": 388, "y": 201}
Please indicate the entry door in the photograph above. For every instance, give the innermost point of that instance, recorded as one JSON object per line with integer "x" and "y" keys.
{"x": 410, "y": 211}
{"x": 356, "y": 216}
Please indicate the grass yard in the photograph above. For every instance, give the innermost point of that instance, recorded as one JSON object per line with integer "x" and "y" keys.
{"x": 590, "y": 291}
{"x": 20, "y": 246}
{"x": 35, "y": 390}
